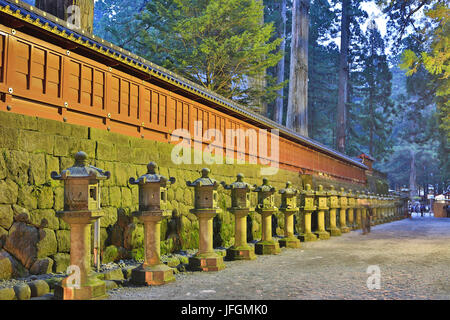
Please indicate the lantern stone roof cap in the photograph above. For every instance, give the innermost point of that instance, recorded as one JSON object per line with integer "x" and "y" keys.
{"x": 81, "y": 170}
{"x": 342, "y": 193}
{"x": 152, "y": 177}
{"x": 238, "y": 184}
{"x": 265, "y": 187}
{"x": 204, "y": 180}
{"x": 320, "y": 191}
{"x": 289, "y": 190}
{"x": 350, "y": 194}
{"x": 332, "y": 191}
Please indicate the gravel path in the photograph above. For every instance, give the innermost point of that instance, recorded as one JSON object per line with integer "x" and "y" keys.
{"x": 413, "y": 256}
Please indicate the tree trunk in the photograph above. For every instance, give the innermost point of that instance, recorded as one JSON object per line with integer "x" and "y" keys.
{"x": 297, "y": 115}
{"x": 58, "y": 8}
{"x": 279, "y": 104}
{"x": 412, "y": 176}
{"x": 343, "y": 78}
{"x": 258, "y": 82}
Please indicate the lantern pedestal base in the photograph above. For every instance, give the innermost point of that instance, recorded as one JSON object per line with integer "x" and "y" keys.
{"x": 267, "y": 247}
{"x": 335, "y": 232}
{"x": 152, "y": 275}
{"x": 94, "y": 289}
{"x": 206, "y": 262}
{"x": 345, "y": 229}
{"x": 307, "y": 237}
{"x": 240, "y": 253}
{"x": 323, "y": 235}
{"x": 290, "y": 242}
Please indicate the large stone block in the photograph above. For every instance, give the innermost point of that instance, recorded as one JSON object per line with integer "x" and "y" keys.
{"x": 51, "y": 164}
{"x": 42, "y": 266}
{"x": 63, "y": 240}
{"x": 53, "y": 127}
{"x": 18, "y": 164}
{"x": 8, "y": 192}
{"x": 45, "y": 218}
{"x": 9, "y": 138}
{"x": 37, "y": 172}
{"x": 45, "y": 198}
{"x": 108, "y": 137}
{"x": 36, "y": 142}
{"x": 127, "y": 200}
{"x": 17, "y": 121}
{"x": 9, "y": 267}
{"x": 106, "y": 151}
{"x": 27, "y": 197}
{"x": 7, "y": 294}
{"x": 6, "y": 216}
{"x": 47, "y": 244}
{"x": 22, "y": 243}
{"x": 115, "y": 196}
{"x": 23, "y": 291}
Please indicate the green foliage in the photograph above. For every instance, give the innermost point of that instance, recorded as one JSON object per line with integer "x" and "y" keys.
{"x": 371, "y": 106}
{"x": 219, "y": 44}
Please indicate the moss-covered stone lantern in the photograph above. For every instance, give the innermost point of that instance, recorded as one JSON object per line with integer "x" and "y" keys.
{"x": 351, "y": 199}
{"x": 322, "y": 207}
{"x": 266, "y": 207}
{"x": 240, "y": 207}
{"x": 343, "y": 203}
{"x": 359, "y": 208}
{"x": 307, "y": 207}
{"x": 81, "y": 209}
{"x": 152, "y": 210}
{"x": 333, "y": 204}
{"x": 289, "y": 209}
{"x": 205, "y": 208}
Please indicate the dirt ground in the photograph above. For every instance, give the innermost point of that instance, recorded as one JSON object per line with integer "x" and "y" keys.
{"x": 413, "y": 257}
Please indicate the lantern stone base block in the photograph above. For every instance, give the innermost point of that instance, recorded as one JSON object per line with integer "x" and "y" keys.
{"x": 94, "y": 289}
{"x": 152, "y": 275}
{"x": 240, "y": 253}
{"x": 290, "y": 242}
{"x": 307, "y": 237}
{"x": 345, "y": 229}
{"x": 323, "y": 235}
{"x": 207, "y": 262}
{"x": 267, "y": 247}
{"x": 335, "y": 232}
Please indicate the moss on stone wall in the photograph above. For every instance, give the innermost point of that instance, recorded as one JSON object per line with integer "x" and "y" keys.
{"x": 31, "y": 148}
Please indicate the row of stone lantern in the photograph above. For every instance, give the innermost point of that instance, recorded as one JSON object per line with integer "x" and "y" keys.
{"x": 82, "y": 207}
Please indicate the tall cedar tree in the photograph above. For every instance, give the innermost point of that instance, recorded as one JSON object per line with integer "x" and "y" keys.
{"x": 375, "y": 105}
{"x": 343, "y": 78}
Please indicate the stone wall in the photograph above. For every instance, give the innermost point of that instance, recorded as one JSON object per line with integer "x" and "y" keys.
{"x": 33, "y": 240}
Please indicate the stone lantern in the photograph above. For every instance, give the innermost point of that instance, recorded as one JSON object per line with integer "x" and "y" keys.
{"x": 240, "y": 207}
{"x": 205, "y": 208}
{"x": 308, "y": 207}
{"x": 343, "y": 203}
{"x": 351, "y": 199}
{"x": 333, "y": 204}
{"x": 321, "y": 198}
{"x": 359, "y": 207}
{"x": 372, "y": 205}
{"x": 289, "y": 208}
{"x": 152, "y": 210}
{"x": 266, "y": 207}
{"x": 81, "y": 209}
